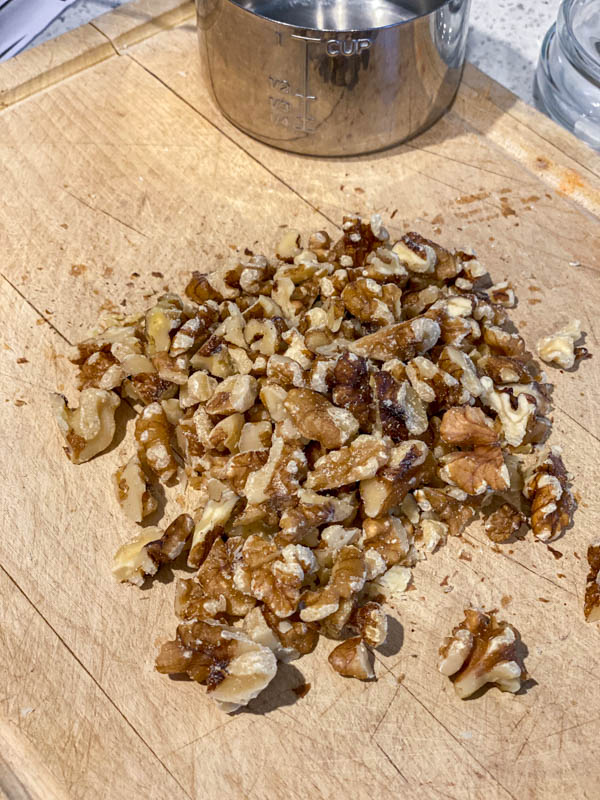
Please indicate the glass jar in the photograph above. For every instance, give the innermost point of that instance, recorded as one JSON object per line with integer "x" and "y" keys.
{"x": 567, "y": 81}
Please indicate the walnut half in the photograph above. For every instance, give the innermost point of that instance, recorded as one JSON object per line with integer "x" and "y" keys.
{"x": 552, "y": 503}
{"x": 482, "y": 650}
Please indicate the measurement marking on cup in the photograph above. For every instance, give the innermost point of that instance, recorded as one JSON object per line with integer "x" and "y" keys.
{"x": 304, "y": 120}
{"x": 307, "y": 38}
{"x": 282, "y": 110}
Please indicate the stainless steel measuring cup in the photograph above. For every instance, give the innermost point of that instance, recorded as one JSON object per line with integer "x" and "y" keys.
{"x": 332, "y": 77}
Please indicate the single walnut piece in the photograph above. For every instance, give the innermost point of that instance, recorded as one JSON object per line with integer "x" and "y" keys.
{"x": 552, "y": 502}
{"x": 211, "y": 592}
{"x": 133, "y": 492}
{"x": 400, "y": 412}
{"x": 280, "y": 477}
{"x": 346, "y": 580}
{"x": 559, "y": 348}
{"x": 456, "y": 512}
{"x": 364, "y": 299}
{"x": 351, "y": 659}
{"x": 272, "y": 575}
{"x": 467, "y": 427}
{"x": 162, "y": 319}
{"x": 153, "y": 437}
{"x": 212, "y": 518}
{"x": 356, "y": 462}
{"x": 503, "y": 523}
{"x": 591, "y": 605}
{"x": 351, "y": 389}
{"x": 233, "y": 667}
{"x": 482, "y": 650}
{"x": 89, "y": 428}
{"x": 370, "y": 623}
{"x": 384, "y": 540}
{"x": 404, "y": 340}
{"x": 473, "y": 471}
{"x": 316, "y": 418}
{"x": 433, "y": 385}
{"x": 234, "y": 394}
{"x": 516, "y": 416}
{"x": 141, "y": 557}
{"x": 408, "y": 467}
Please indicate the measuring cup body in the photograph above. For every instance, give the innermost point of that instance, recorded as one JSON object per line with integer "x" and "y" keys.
{"x": 331, "y": 92}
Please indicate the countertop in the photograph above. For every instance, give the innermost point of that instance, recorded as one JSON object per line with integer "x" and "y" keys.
{"x": 504, "y": 41}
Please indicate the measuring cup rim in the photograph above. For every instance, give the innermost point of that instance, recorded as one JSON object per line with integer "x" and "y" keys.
{"x": 437, "y": 5}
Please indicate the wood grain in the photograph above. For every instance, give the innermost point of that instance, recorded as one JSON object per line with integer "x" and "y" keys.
{"x": 118, "y": 182}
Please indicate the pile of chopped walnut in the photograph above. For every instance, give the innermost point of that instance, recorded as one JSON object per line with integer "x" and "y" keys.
{"x": 339, "y": 410}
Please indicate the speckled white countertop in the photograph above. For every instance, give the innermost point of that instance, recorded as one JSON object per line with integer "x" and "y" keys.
{"x": 504, "y": 41}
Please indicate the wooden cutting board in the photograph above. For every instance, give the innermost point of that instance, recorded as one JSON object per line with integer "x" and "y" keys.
{"x": 118, "y": 176}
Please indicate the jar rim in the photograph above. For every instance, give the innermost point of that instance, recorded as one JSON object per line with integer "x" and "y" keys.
{"x": 578, "y": 55}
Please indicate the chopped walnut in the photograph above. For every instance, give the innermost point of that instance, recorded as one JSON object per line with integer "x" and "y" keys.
{"x": 591, "y": 606}
{"x": 407, "y": 468}
{"x": 272, "y": 575}
{"x": 456, "y": 513}
{"x": 88, "y": 429}
{"x": 351, "y": 390}
{"x": 226, "y": 433}
{"x": 211, "y": 520}
{"x": 365, "y": 299}
{"x": 473, "y": 471}
{"x": 433, "y": 385}
{"x": 392, "y": 584}
{"x": 416, "y": 253}
{"x": 559, "y": 348}
{"x": 161, "y": 319}
{"x": 387, "y": 537}
{"x": 460, "y": 366}
{"x": 347, "y": 579}
{"x": 467, "y": 427}
{"x": 233, "y": 667}
{"x": 552, "y": 502}
{"x": 482, "y": 650}
{"x": 332, "y": 416}
{"x": 153, "y": 437}
{"x": 141, "y": 557}
{"x": 236, "y": 393}
{"x": 503, "y": 523}
{"x": 351, "y": 659}
{"x": 403, "y": 340}
{"x": 133, "y": 493}
{"x": 211, "y": 592}
{"x": 358, "y": 461}
{"x": 199, "y": 388}
{"x": 281, "y": 475}
{"x": 516, "y": 418}
{"x": 256, "y": 436}
{"x": 369, "y": 621}
{"x": 400, "y": 412}
{"x": 317, "y": 418}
